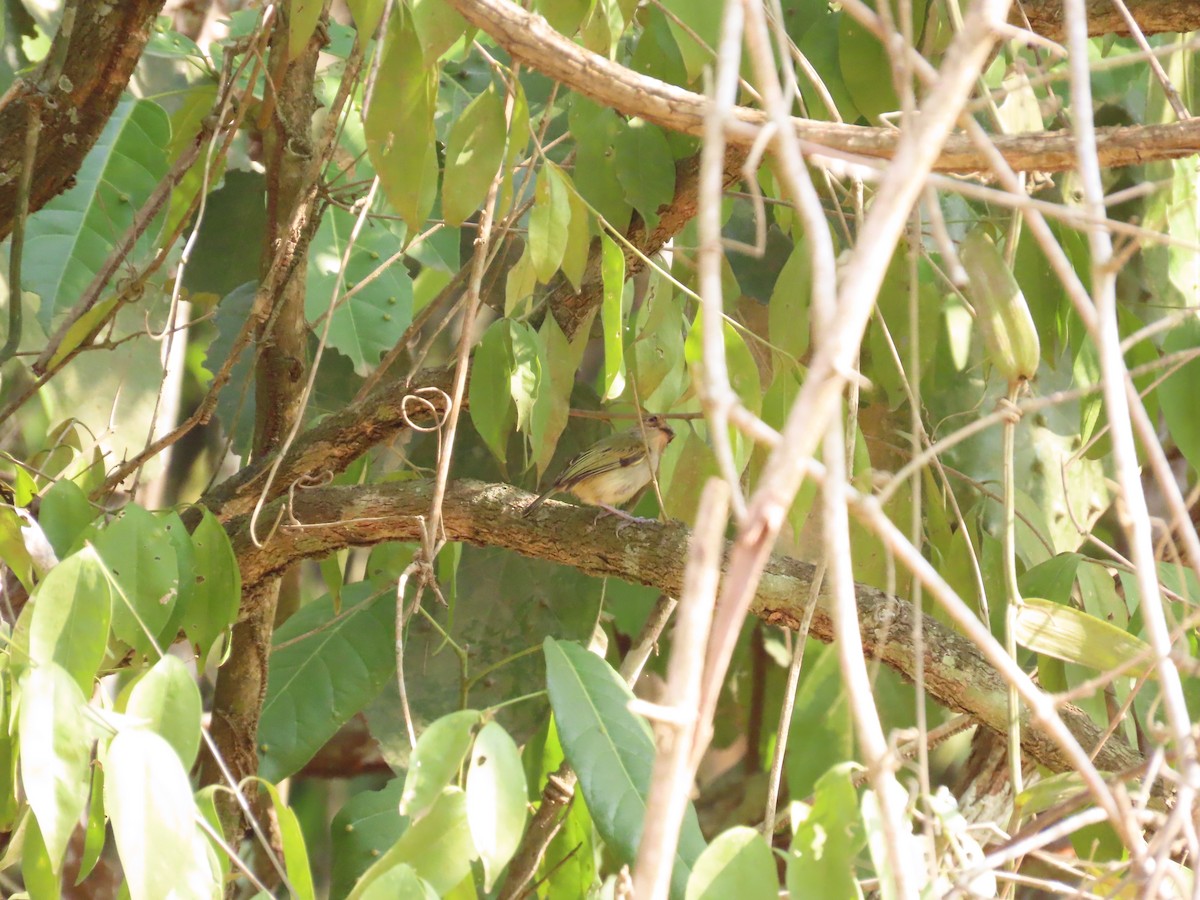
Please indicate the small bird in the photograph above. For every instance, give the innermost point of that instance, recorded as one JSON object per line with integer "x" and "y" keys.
{"x": 614, "y": 469}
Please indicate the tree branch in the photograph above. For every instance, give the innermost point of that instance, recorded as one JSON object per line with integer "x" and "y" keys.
{"x": 97, "y": 54}
{"x": 1153, "y": 17}
{"x": 529, "y": 38}
{"x": 323, "y": 520}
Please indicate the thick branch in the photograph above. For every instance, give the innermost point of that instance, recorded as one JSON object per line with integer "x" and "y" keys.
{"x": 97, "y": 57}
{"x": 529, "y": 38}
{"x": 956, "y": 674}
{"x": 1153, "y": 17}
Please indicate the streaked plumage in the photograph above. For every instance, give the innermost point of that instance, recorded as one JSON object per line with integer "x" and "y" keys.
{"x": 614, "y": 469}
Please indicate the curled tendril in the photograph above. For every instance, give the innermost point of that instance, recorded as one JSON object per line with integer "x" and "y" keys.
{"x": 305, "y": 483}
{"x": 423, "y": 404}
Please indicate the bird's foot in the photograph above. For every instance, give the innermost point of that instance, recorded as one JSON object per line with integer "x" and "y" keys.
{"x": 605, "y": 510}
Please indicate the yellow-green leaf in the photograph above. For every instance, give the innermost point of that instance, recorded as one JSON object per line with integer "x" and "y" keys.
{"x": 399, "y": 124}
{"x": 474, "y": 150}
{"x": 1072, "y": 635}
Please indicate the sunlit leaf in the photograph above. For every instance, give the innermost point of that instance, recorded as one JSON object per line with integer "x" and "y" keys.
{"x": 549, "y": 222}
{"x": 72, "y": 609}
{"x": 473, "y": 153}
{"x": 140, "y": 559}
{"x": 153, "y": 814}
{"x": 1072, "y": 635}
{"x": 167, "y": 701}
{"x": 56, "y": 749}
{"x": 737, "y": 863}
{"x": 438, "y": 847}
{"x": 496, "y": 798}
{"x": 612, "y": 268}
{"x": 439, "y": 754}
{"x": 399, "y": 124}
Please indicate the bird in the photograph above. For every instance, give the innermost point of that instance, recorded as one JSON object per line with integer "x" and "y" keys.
{"x": 614, "y": 469}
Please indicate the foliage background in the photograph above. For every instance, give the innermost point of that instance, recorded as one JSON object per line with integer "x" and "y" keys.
{"x": 303, "y": 299}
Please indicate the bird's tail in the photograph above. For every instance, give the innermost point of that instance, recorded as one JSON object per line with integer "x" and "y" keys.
{"x": 532, "y": 507}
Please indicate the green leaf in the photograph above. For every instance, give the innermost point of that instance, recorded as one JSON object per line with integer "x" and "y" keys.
{"x": 491, "y": 405}
{"x": 140, "y": 558}
{"x": 439, "y": 25}
{"x": 787, "y": 314}
{"x": 1072, "y": 635}
{"x": 518, "y": 141}
{"x": 595, "y": 129}
{"x": 519, "y": 285}
{"x": 612, "y": 268}
{"x": 438, "y": 847}
{"x": 697, "y": 35}
{"x": 368, "y": 323}
{"x": 206, "y": 804}
{"x": 562, "y": 362}
{"x": 235, "y": 405}
{"x": 167, "y": 701}
{"x": 645, "y": 168}
{"x": 55, "y": 753}
{"x": 153, "y": 814}
{"x": 658, "y": 350}
{"x": 438, "y": 756}
{"x": 578, "y": 245}
{"x": 1177, "y": 394}
{"x": 866, "y": 69}
{"x": 65, "y": 514}
{"x": 1052, "y": 579}
{"x": 827, "y": 842}
{"x": 72, "y": 609}
{"x": 399, "y": 124}
{"x": 549, "y": 222}
{"x": 367, "y": 14}
{"x": 218, "y": 589}
{"x": 8, "y": 777}
{"x": 81, "y": 329}
{"x": 38, "y": 872}
{"x": 13, "y": 552}
{"x": 496, "y": 798}
{"x": 738, "y": 863}
{"x": 739, "y": 362}
{"x": 302, "y": 22}
{"x": 400, "y": 882}
{"x": 96, "y": 830}
{"x": 295, "y": 854}
{"x": 68, "y": 239}
{"x": 326, "y": 665}
{"x": 612, "y": 752}
{"x": 657, "y": 53}
{"x": 185, "y": 557}
{"x": 564, "y": 16}
{"x": 474, "y": 150}
{"x": 361, "y": 831}
{"x": 528, "y": 381}
{"x": 820, "y": 44}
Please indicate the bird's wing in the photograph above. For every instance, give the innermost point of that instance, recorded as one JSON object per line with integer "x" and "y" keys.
{"x": 608, "y": 455}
